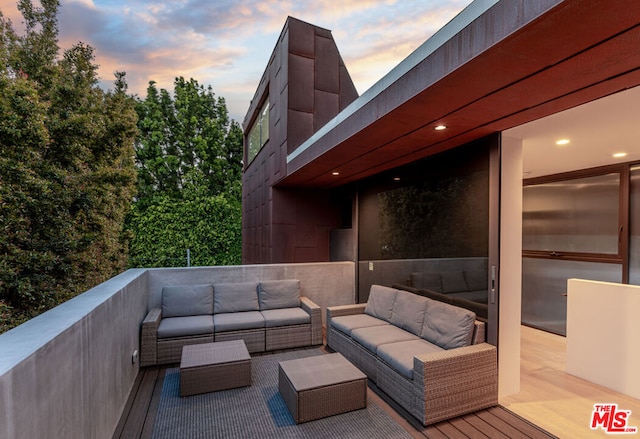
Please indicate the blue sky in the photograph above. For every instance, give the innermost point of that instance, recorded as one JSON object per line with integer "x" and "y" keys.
{"x": 227, "y": 43}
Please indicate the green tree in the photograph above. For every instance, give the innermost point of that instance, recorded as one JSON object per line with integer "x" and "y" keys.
{"x": 189, "y": 157}
{"x": 67, "y": 177}
{"x": 187, "y": 139}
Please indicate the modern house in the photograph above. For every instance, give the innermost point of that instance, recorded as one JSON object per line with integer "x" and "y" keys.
{"x": 449, "y": 163}
{"x": 443, "y": 176}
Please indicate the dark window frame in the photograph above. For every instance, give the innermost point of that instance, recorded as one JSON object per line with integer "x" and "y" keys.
{"x": 622, "y": 257}
{"x": 258, "y": 121}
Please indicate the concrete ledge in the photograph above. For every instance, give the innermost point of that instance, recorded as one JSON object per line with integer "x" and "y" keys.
{"x": 68, "y": 372}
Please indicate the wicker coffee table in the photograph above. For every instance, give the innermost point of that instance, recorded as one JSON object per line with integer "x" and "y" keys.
{"x": 321, "y": 386}
{"x": 211, "y": 367}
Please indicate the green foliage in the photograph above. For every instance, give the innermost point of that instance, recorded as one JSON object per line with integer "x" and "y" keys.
{"x": 67, "y": 177}
{"x": 189, "y": 157}
{"x": 187, "y": 139}
{"x": 209, "y": 226}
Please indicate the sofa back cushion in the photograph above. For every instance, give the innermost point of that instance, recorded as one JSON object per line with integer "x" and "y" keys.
{"x": 380, "y": 302}
{"x": 187, "y": 300}
{"x": 453, "y": 282}
{"x": 447, "y": 326}
{"x": 427, "y": 279}
{"x": 476, "y": 280}
{"x": 408, "y": 312}
{"x": 277, "y": 294}
{"x": 235, "y": 297}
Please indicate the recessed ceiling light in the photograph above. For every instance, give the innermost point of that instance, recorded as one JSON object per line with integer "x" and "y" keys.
{"x": 335, "y": 173}
{"x": 620, "y": 154}
{"x": 440, "y": 127}
{"x": 563, "y": 142}
{"x": 396, "y": 178}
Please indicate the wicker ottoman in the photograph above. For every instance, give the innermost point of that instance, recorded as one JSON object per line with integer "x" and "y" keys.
{"x": 214, "y": 366}
{"x": 321, "y": 386}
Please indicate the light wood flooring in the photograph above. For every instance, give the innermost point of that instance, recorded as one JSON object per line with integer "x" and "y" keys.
{"x": 560, "y": 403}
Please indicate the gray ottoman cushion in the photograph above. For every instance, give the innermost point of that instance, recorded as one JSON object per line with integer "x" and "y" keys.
{"x": 284, "y": 317}
{"x": 346, "y": 324}
{"x": 276, "y": 294}
{"x": 399, "y": 356}
{"x": 235, "y": 297}
{"x": 374, "y": 336}
{"x": 187, "y": 300}
{"x": 185, "y": 326}
{"x": 237, "y": 321}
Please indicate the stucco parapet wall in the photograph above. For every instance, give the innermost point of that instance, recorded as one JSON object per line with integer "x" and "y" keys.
{"x": 25, "y": 340}
{"x": 69, "y": 371}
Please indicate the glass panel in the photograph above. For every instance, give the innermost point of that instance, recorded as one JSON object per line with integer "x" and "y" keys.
{"x": 544, "y": 285}
{"x": 579, "y": 215}
{"x": 425, "y": 219}
{"x": 634, "y": 221}
{"x": 259, "y": 132}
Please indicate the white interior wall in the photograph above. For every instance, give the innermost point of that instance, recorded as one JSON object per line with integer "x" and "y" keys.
{"x": 603, "y": 334}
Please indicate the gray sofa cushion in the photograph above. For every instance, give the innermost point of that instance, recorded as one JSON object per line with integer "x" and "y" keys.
{"x": 237, "y": 321}
{"x": 399, "y": 356}
{"x": 408, "y": 312}
{"x": 380, "y": 302}
{"x": 374, "y": 336}
{"x": 476, "y": 280}
{"x": 187, "y": 300}
{"x": 185, "y": 326}
{"x": 426, "y": 279}
{"x": 285, "y": 316}
{"x": 453, "y": 282}
{"x": 448, "y": 326}
{"x": 235, "y": 297}
{"x": 346, "y": 324}
{"x": 275, "y": 294}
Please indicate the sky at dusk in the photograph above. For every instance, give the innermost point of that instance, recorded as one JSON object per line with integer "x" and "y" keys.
{"x": 227, "y": 43}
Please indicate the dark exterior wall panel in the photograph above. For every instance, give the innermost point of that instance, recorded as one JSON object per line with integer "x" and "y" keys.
{"x": 327, "y": 72}
{"x": 327, "y": 103}
{"x": 306, "y": 84}
{"x": 301, "y": 91}
{"x": 300, "y": 128}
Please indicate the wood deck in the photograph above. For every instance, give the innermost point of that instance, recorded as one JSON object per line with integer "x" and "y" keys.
{"x": 497, "y": 422}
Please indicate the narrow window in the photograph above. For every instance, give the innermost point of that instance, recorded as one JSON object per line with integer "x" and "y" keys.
{"x": 259, "y": 132}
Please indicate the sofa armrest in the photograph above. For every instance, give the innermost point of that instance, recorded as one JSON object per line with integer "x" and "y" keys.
{"x": 315, "y": 311}
{"x": 149, "y": 333}
{"x": 457, "y": 381}
{"x": 345, "y": 310}
{"x": 479, "y": 332}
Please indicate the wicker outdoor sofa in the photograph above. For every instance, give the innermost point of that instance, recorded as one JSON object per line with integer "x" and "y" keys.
{"x": 429, "y": 356}
{"x": 268, "y": 315}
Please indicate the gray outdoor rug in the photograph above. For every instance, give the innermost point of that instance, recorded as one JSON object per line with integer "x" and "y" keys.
{"x": 258, "y": 411}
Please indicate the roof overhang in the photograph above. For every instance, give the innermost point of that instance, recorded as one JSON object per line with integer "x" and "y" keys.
{"x": 495, "y": 66}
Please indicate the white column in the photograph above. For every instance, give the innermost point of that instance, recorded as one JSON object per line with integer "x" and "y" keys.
{"x": 510, "y": 267}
